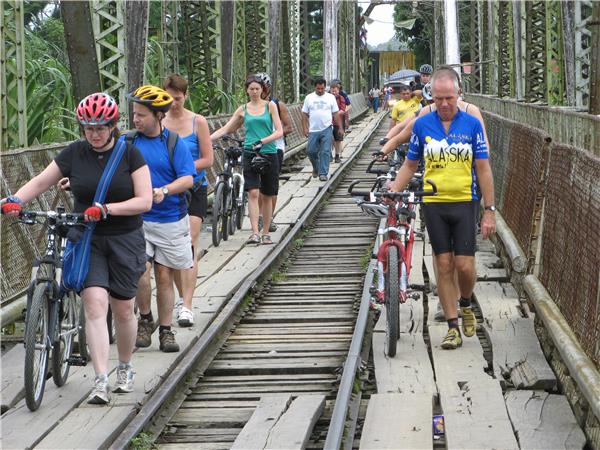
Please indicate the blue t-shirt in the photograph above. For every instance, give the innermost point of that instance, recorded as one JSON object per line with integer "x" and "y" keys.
{"x": 162, "y": 172}
{"x": 449, "y": 158}
{"x": 191, "y": 141}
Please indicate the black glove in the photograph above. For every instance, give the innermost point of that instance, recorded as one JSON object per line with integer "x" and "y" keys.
{"x": 257, "y": 146}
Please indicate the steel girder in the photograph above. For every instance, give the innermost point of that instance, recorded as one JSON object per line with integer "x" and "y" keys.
{"x": 519, "y": 27}
{"x": 330, "y": 39}
{"x": 295, "y": 38}
{"x": 108, "y": 22}
{"x": 474, "y": 49}
{"x": 202, "y": 24}
{"x": 304, "y": 50}
{"x": 169, "y": 36}
{"x": 535, "y": 73}
{"x": 583, "y": 38}
{"x": 13, "y": 87}
{"x": 256, "y": 25}
{"x": 555, "y": 68}
{"x": 504, "y": 53}
{"x": 287, "y": 85}
{"x": 239, "y": 45}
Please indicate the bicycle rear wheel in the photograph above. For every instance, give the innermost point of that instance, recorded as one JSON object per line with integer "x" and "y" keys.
{"x": 232, "y": 208}
{"x": 217, "y": 217}
{"x": 81, "y": 339}
{"x": 36, "y": 348}
{"x": 67, "y": 330}
{"x": 225, "y": 211}
{"x": 391, "y": 302}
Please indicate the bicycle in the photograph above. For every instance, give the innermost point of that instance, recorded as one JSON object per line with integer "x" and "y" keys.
{"x": 395, "y": 250}
{"x": 230, "y": 199}
{"x": 54, "y": 318}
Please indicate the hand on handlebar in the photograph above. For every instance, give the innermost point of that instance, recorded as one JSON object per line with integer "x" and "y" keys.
{"x": 12, "y": 206}
{"x": 96, "y": 213}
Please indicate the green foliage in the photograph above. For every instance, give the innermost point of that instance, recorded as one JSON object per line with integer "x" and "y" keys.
{"x": 143, "y": 441}
{"x": 420, "y": 37}
{"x": 316, "y": 57}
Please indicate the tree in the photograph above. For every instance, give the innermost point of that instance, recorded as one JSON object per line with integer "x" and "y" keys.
{"x": 420, "y": 37}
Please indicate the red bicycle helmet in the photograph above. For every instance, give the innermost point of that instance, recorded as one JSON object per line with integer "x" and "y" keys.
{"x": 97, "y": 109}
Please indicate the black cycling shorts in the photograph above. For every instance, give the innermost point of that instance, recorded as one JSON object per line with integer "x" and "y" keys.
{"x": 117, "y": 262}
{"x": 268, "y": 183}
{"x": 452, "y": 226}
{"x": 280, "y": 158}
{"x": 198, "y": 202}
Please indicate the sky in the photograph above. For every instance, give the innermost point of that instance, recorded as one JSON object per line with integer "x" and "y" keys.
{"x": 382, "y": 29}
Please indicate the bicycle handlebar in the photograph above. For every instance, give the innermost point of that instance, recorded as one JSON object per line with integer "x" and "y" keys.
{"x": 66, "y": 218}
{"x": 392, "y": 195}
{"x": 227, "y": 137}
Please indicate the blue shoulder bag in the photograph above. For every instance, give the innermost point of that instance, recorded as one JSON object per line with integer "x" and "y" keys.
{"x": 76, "y": 259}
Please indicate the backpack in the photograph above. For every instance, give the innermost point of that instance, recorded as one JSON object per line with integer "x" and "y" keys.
{"x": 171, "y": 143}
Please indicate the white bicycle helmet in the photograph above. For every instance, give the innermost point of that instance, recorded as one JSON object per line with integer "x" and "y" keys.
{"x": 427, "y": 92}
{"x": 266, "y": 79}
{"x": 377, "y": 210}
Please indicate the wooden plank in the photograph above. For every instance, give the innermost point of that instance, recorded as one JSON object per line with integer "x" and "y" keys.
{"x": 416, "y": 271}
{"x": 101, "y": 425}
{"x": 255, "y": 433}
{"x": 475, "y": 415}
{"x": 543, "y": 420}
{"x": 398, "y": 421}
{"x": 292, "y": 431}
{"x": 12, "y": 376}
{"x": 489, "y": 267}
{"x": 517, "y": 354}
{"x": 428, "y": 261}
{"x": 497, "y": 300}
{"x": 293, "y": 210}
{"x": 409, "y": 371}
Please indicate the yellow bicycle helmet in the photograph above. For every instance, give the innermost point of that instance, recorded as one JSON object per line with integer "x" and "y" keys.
{"x": 153, "y": 97}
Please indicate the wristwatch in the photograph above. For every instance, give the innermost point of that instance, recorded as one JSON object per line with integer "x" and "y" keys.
{"x": 164, "y": 190}
{"x": 487, "y": 208}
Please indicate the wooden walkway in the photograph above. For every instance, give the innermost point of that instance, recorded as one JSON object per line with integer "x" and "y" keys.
{"x": 496, "y": 391}
{"x": 64, "y": 420}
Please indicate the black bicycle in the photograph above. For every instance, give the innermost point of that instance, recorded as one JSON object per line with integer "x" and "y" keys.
{"x": 54, "y": 319}
{"x": 230, "y": 199}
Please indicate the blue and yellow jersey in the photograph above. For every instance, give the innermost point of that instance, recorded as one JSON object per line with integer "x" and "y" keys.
{"x": 449, "y": 158}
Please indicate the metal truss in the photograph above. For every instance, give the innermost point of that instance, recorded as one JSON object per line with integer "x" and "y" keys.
{"x": 475, "y": 48}
{"x": 555, "y": 67}
{"x": 583, "y": 41}
{"x": 492, "y": 45}
{"x": 256, "y": 35}
{"x": 287, "y": 90}
{"x": 169, "y": 37}
{"x": 202, "y": 24}
{"x": 13, "y": 87}
{"x": 535, "y": 70}
{"x": 108, "y": 22}
{"x": 504, "y": 53}
{"x": 304, "y": 47}
{"x": 239, "y": 45}
{"x": 293, "y": 10}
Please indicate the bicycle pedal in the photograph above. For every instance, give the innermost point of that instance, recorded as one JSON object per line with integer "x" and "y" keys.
{"x": 76, "y": 361}
{"x": 417, "y": 287}
{"x": 415, "y": 296}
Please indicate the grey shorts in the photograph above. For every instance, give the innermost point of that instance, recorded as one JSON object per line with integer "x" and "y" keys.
{"x": 117, "y": 262}
{"x": 170, "y": 244}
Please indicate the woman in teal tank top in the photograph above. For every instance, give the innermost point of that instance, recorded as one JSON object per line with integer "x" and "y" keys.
{"x": 262, "y": 126}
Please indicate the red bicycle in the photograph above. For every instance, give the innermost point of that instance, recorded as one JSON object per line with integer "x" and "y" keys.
{"x": 395, "y": 251}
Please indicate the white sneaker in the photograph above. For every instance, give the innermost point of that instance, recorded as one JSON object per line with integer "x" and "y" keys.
{"x": 99, "y": 395}
{"x": 125, "y": 377}
{"x": 178, "y": 306}
{"x": 185, "y": 317}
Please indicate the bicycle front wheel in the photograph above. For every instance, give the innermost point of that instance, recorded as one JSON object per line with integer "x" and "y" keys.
{"x": 36, "y": 348}
{"x": 392, "y": 313}
{"x": 217, "y": 214}
{"x": 225, "y": 212}
{"x": 68, "y": 328}
{"x": 232, "y": 208}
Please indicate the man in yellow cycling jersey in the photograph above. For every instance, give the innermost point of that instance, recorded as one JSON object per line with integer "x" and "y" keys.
{"x": 404, "y": 108}
{"x": 453, "y": 146}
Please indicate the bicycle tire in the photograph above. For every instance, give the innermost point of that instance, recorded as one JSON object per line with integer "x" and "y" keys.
{"x": 241, "y": 213}
{"x": 110, "y": 325}
{"x": 232, "y": 208}
{"x": 225, "y": 211}
{"x": 36, "y": 350}
{"x": 81, "y": 338}
{"x": 68, "y": 320}
{"x": 216, "y": 214}
{"x": 391, "y": 302}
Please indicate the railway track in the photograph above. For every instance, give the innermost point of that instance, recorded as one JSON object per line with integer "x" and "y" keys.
{"x": 292, "y": 336}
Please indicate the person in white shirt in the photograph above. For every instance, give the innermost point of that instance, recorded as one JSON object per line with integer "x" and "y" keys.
{"x": 318, "y": 112}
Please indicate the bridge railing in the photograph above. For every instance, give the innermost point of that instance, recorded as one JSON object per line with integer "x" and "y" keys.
{"x": 19, "y": 245}
{"x": 563, "y": 124}
{"x": 548, "y": 193}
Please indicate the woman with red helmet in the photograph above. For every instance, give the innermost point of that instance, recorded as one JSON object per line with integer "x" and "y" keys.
{"x": 117, "y": 254}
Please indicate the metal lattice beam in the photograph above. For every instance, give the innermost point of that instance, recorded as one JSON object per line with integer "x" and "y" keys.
{"x": 474, "y": 49}
{"x": 202, "y": 25}
{"x": 274, "y": 26}
{"x": 257, "y": 49}
{"x": 330, "y": 39}
{"x": 555, "y": 68}
{"x": 168, "y": 37}
{"x": 239, "y": 45}
{"x": 519, "y": 26}
{"x": 13, "y": 87}
{"x": 492, "y": 44}
{"x": 505, "y": 53}
{"x": 583, "y": 35}
{"x": 287, "y": 90}
{"x": 304, "y": 50}
{"x": 535, "y": 73}
{"x": 108, "y": 22}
